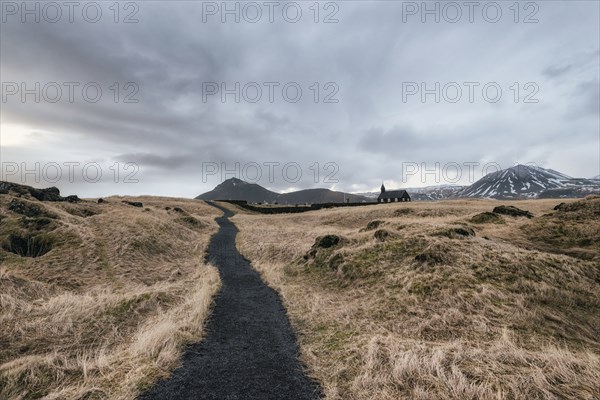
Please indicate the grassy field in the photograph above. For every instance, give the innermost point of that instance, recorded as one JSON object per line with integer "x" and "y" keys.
{"x": 98, "y": 300}
{"x": 430, "y": 300}
{"x": 442, "y": 300}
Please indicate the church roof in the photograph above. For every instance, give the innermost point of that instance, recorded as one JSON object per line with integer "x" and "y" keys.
{"x": 393, "y": 194}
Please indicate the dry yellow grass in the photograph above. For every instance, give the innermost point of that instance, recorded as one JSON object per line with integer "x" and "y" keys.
{"x": 421, "y": 311}
{"x": 109, "y": 308}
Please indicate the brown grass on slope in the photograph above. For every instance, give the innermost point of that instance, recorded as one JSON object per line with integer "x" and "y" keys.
{"x": 429, "y": 311}
{"x": 107, "y": 310}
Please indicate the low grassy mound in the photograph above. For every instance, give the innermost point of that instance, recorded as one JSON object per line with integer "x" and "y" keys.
{"x": 435, "y": 311}
{"x": 512, "y": 211}
{"x": 487, "y": 218}
{"x": 571, "y": 229}
{"x": 98, "y": 300}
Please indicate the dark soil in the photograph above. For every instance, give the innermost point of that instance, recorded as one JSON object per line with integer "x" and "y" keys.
{"x": 249, "y": 351}
{"x": 28, "y": 245}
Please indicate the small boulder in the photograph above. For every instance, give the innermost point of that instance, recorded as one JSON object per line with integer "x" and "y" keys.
{"x": 134, "y": 203}
{"x": 72, "y": 199}
{"x": 327, "y": 241}
{"x": 512, "y": 211}
{"x": 28, "y": 209}
{"x": 178, "y": 209}
{"x": 381, "y": 235}
{"x": 48, "y": 194}
{"x": 323, "y": 242}
{"x": 100, "y": 200}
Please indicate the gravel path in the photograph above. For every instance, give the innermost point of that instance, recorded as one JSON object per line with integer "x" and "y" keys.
{"x": 249, "y": 351}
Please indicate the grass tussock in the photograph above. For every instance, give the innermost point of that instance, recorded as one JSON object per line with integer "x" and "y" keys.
{"x": 107, "y": 310}
{"x": 445, "y": 307}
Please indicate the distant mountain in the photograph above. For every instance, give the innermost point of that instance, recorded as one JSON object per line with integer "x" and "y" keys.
{"x": 523, "y": 181}
{"x": 518, "y": 182}
{"x": 315, "y": 196}
{"x": 437, "y": 192}
{"x": 596, "y": 178}
{"x": 236, "y": 189}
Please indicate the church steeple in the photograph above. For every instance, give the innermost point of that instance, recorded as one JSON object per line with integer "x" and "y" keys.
{"x": 382, "y": 188}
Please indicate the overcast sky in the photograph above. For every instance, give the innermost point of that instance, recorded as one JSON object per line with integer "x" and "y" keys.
{"x": 369, "y": 122}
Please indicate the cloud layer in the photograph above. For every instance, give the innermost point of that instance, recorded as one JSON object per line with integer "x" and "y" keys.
{"x": 370, "y": 62}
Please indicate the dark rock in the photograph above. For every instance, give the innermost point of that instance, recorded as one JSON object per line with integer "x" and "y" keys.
{"x": 6, "y": 187}
{"x": 134, "y": 203}
{"x": 327, "y": 241}
{"x": 48, "y": 194}
{"x": 323, "y": 242}
{"x": 512, "y": 211}
{"x": 72, "y": 199}
{"x": 28, "y": 209}
{"x": 373, "y": 225}
{"x": 381, "y": 235}
{"x": 178, "y": 209}
{"x": 487, "y": 217}
{"x": 167, "y": 208}
{"x": 100, "y": 200}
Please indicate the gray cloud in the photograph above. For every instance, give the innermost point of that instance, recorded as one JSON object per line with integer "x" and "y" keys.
{"x": 368, "y": 133}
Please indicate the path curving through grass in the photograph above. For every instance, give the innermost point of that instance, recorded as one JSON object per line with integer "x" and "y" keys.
{"x": 249, "y": 351}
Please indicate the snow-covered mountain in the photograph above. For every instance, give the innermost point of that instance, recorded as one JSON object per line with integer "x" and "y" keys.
{"x": 596, "y": 178}
{"x": 518, "y": 182}
{"x": 523, "y": 181}
{"x": 437, "y": 192}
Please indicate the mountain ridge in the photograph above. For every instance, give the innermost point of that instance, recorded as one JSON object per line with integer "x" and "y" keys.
{"x": 517, "y": 182}
{"x": 237, "y": 189}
